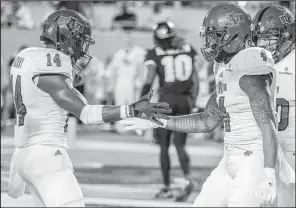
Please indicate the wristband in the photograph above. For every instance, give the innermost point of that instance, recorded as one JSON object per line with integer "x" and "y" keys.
{"x": 125, "y": 111}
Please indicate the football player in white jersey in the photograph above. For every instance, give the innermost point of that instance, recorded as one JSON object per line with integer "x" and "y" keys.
{"x": 42, "y": 82}
{"x": 274, "y": 29}
{"x": 244, "y": 99}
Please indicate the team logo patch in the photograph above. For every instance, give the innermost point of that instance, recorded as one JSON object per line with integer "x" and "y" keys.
{"x": 248, "y": 153}
{"x": 231, "y": 20}
{"x": 62, "y": 20}
{"x": 286, "y": 18}
{"x": 57, "y": 153}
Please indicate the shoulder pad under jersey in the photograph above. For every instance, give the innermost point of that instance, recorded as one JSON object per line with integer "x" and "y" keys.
{"x": 254, "y": 61}
{"x": 49, "y": 61}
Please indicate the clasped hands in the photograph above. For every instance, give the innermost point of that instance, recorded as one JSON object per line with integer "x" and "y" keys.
{"x": 152, "y": 112}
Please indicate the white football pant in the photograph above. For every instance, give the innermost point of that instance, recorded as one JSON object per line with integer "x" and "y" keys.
{"x": 285, "y": 193}
{"x": 233, "y": 182}
{"x": 48, "y": 173}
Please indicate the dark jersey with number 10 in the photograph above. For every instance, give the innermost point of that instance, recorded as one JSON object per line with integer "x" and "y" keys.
{"x": 174, "y": 68}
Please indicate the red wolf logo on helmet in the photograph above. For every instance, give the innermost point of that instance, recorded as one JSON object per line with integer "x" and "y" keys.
{"x": 286, "y": 18}
{"x": 72, "y": 22}
{"x": 231, "y": 20}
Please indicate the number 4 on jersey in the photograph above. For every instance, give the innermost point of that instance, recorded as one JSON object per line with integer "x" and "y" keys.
{"x": 21, "y": 110}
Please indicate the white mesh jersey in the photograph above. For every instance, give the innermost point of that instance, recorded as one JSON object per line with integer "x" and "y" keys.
{"x": 285, "y": 101}
{"x": 39, "y": 119}
{"x": 242, "y": 128}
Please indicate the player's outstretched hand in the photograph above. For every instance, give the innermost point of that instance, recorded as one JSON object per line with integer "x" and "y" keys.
{"x": 150, "y": 111}
{"x": 137, "y": 124}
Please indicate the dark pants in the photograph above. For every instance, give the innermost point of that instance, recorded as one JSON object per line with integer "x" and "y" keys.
{"x": 180, "y": 105}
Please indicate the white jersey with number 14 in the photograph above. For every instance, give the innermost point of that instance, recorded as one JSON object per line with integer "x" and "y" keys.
{"x": 39, "y": 120}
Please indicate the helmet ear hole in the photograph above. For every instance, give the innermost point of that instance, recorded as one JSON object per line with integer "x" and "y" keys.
{"x": 72, "y": 33}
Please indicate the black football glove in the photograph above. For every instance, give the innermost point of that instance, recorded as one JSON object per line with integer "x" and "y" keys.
{"x": 150, "y": 111}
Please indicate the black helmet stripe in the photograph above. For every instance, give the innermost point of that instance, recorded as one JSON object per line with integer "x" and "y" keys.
{"x": 261, "y": 14}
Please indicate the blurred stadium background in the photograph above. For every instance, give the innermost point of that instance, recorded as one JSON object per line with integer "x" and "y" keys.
{"x": 114, "y": 168}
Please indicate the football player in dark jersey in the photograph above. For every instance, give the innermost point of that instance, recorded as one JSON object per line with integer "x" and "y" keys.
{"x": 173, "y": 61}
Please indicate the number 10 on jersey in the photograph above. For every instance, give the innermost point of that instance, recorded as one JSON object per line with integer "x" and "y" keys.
{"x": 177, "y": 68}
